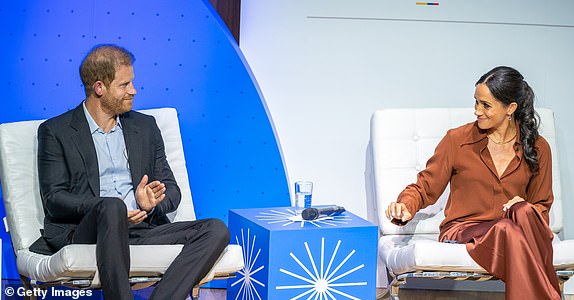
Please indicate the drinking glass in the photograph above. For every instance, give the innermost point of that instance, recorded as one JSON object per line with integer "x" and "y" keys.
{"x": 303, "y": 195}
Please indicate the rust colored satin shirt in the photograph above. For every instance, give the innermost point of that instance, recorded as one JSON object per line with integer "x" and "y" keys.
{"x": 477, "y": 193}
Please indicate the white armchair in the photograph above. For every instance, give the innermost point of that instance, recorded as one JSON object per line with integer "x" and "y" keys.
{"x": 402, "y": 140}
{"x": 75, "y": 265}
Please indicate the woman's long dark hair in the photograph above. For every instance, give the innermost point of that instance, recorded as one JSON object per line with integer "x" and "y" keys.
{"x": 507, "y": 85}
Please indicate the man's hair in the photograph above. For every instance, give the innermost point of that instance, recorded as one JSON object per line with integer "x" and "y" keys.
{"x": 101, "y": 64}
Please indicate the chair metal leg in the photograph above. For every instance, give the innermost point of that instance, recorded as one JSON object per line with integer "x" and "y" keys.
{"x": 563, "y": 276}
{"x": 195, "y": 293}
{"x": 395, "y": 285}
{"x": 395, "y": 292}
{"x": 28, "y": 287}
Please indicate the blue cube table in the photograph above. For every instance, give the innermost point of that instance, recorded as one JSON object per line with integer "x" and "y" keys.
{"x": 321, "y": 259}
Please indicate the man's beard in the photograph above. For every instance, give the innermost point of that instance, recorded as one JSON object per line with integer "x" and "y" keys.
{"x": 115, "y": 106}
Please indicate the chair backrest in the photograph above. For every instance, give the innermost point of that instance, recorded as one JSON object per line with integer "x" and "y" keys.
{"x": 19, "y": 175}
{"x": 402, "y": 140}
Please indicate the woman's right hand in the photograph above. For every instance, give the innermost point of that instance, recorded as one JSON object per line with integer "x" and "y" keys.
{"x": 399, "y": 212}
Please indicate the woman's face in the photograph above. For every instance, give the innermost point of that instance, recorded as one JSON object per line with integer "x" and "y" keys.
{"x": 490, "y": 113}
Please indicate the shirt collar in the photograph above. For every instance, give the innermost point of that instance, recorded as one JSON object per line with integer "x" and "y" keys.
{"x": 92, "y": 123}
{"x": 476, "y": 135}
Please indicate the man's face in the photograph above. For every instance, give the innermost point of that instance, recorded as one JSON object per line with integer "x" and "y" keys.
{"x": 118, "y": 97}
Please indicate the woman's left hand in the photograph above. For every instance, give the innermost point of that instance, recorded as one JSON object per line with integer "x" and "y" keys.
{"x": 511, "y": 202}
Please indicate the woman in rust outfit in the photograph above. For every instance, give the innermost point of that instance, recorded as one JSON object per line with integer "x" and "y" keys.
{"x": 500, "y": 174}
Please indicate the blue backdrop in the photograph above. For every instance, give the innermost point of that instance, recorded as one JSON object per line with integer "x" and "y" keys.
{"x": 185, "y": 58}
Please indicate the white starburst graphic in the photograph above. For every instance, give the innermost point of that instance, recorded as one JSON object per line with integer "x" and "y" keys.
{"x": 324, "y": 282}
{"x": 248, "y": 289}
{"x": 284, "y": 217}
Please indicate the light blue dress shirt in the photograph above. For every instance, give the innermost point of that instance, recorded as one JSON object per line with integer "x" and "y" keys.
{"x": 115, "y": 175}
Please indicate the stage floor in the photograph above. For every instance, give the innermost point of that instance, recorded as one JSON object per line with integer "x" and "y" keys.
{"x": 220, "y": 294}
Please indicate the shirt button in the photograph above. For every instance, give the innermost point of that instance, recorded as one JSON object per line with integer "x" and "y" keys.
{"x": 415, "y": 138}
{"x": 418, "y": 167}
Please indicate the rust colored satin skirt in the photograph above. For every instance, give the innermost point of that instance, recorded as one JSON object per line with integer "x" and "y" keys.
{"x": 516, "y": 248}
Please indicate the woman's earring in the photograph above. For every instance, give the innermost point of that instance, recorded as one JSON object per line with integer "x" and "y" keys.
{"x": 510, "y": 117}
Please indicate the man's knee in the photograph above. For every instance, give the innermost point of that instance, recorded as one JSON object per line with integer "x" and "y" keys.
{"x": 219, "y": 230}
{"x": 110, "y": 207}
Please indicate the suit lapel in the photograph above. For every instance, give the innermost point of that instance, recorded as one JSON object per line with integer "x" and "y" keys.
{"x": 82, "y": 139}
{"x": 132, "y": 138}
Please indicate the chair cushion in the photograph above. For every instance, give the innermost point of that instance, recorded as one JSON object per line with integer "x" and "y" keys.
{"x": 423, "y": 252}
{"x": 405, "y": 253}
{"x": 564, "y": 255}
{"x": 19, "y": 177}
{"x": 79, "y": 261}
{"x": 167, "y": 121}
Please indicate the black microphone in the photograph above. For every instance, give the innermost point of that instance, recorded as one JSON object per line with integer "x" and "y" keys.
{"x": 313, "y": 213}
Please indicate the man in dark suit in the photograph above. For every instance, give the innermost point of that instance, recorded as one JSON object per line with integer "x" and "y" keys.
{"x": 104, "y": 179}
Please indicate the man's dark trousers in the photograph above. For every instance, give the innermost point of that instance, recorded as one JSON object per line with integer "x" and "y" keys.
{"x": 106, "y": 225}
